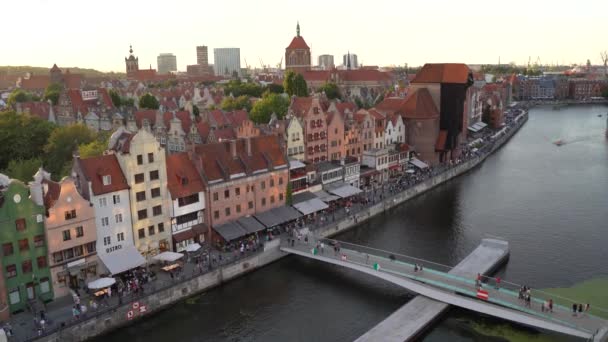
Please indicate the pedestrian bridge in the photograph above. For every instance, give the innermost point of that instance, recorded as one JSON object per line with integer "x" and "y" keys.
{"x": 435, "y": 282}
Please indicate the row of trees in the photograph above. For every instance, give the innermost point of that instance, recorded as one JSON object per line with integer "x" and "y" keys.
{"x": 28, "y": 142}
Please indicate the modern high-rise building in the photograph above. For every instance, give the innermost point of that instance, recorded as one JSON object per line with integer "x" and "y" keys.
{"x": 350, "y": 61}
{"x": 202, "y": 56}
{"x": 166, "y": 62}
{"x": 227, "y": 61}
{"x": 326, "y": 62}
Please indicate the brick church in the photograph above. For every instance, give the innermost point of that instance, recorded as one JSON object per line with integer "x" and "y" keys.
{"x": 297, "y": 54}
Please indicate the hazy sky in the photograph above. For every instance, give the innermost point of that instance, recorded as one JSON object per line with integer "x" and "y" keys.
{"x": 98, "y": 34}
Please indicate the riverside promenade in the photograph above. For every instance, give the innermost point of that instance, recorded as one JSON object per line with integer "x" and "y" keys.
{"x": 164, "y": 292}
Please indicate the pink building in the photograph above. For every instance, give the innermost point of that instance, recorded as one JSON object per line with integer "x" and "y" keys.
{"x": 335, "y": 136}
{"x": 366, "y": 128}
{"x": 312, "y": 113}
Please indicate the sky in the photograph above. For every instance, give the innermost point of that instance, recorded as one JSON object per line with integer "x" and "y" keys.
{"x": 381, "y": 32}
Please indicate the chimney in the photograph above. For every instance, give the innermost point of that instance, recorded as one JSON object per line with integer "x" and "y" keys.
{"x": 248, "y": 143}
{"x": 233, "y": 148}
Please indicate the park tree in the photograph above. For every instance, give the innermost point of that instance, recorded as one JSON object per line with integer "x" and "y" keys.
{"x": 52, "y": 92}
{"x": 275, "y": 88}
{"x": 148, "y": 101}
{"x": 61, "y": 146}
{"x": 23, "y": 169}
{"x": 235, "y": 103}
{"x": 295, "y": 84}
{"x": 22, "y": 136}
{"x": 96, "y": 147}
{"x": 115, "y": 98}
{"x": 331, "y": 90}
{"x": 18, "y": 96}
{"x": 270, "y": 103}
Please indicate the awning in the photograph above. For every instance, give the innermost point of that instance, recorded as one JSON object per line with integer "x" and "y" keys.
{"x": 230, "y": 231}
{"x": 476, "y": 127}
{"x": 394, "y": 167}
{"x": 325, "y": 197}
{"x": 250, "y": 224}
{"x": 296, "y": 164}
{"x": 122, "y": 260}
{"x": 302, "y": 197}
{"x": 276, "y": 216}
{"x": 343, "y": 190}
{"x": 418, "y": 163}
{"x": 310, "y": 206}
{"x": 168, "y": 256}
{"x": 188, "y": 234}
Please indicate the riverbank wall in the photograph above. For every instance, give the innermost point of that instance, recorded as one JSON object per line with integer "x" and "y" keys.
{"x": 161, "y": 299}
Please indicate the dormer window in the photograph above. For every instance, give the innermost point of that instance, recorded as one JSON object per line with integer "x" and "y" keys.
{"x": 315, "y": 110}
{"x": 107, "y": 180}
{"x": 184, "y": 181}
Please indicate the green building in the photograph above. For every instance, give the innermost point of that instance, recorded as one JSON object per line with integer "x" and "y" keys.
{"x": 24, "y": 253}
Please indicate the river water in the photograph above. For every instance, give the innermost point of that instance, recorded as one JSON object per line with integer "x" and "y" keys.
{"x": 549, "y": 202}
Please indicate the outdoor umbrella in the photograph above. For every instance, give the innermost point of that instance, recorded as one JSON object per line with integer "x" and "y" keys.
{"x": 168, "y": 256}
{"x": 193, "y": 247}
{"x": 101, "y": 283}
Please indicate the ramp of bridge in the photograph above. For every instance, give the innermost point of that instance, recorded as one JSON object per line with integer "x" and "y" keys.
{"x": 449, "y": 288}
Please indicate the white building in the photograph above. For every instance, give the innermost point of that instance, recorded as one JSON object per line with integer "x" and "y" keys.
{"x": 166, "y": 63}
{"x": 227, "y": 61}
{"x": 101, "y": 181}
{"x": 377, "y": 158}
{"x": 351, "y": 172}
{"x": 394, "y": 131}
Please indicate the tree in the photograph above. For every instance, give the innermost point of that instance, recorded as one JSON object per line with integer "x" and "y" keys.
{"x": 238, "y": 88}
{"x": 23, "y": 169}
{"x": 52, "y": 92}
{"x": 241, "y": 102}
{"x": 96, "y": 147}
{"x": 22, "y": 136}
{"x": 61, "y": 145}
{"x": 148, "y": 101}
{"x": 288, "y": 83}
{"x": 195, "y": 111}
{"x": 18, "y": 96}
{"x": 275, "y": 88}
{"x": 127, "y": 101}
{"x": 116, "y": 100}
{"x": 270, "y": 103}
{"x": 331, "y": 90}
{"x": 295, "y": 84}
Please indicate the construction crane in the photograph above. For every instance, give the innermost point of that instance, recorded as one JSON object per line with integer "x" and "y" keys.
{"x": 280, "y": 64}
{"x": 246, "y": 65}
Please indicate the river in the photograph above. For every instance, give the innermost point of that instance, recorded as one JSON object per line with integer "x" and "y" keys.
{"x": 549, "y": 202}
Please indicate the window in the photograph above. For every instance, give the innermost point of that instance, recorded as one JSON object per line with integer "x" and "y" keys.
{"x": 155, "y": 192}
{"x": 118, "y": 218}
{"x": 120, "y": 237}
{"x": 79, "y": 231}
{"x": 215, "y": 196}
{"x": 280, "y": 180}
{"x": 41, "y": 261}
{"x": 157, "y": 210}
{"x": 20, "y": 224}
{"x": 142, "y": 214}
{"x": 263, "y": 185}
{"x": 58, "y": 257}
{"x": 161, "y": 227}
{"x": 7, "y": 249}
{"x": 263, "y": 201}
{"x": 66, "y": 235}
{"x": 150, "y": 157}
{"x": 193, "y": 216}
{"x": 216, "y": 214}
{"x": 227, "y": 193}
{"x": 11, "y": 271}
{"x": 237, "y": 191}
{"x": 227, "y": 211}
{"x": 26, "y": 266}
{"x": 250, "y": 204}
{"x": 140, "y": 196}
{"x": 140, "y": 159}
{"x": 116, "y": 199}
{"x": 70, "y": 214}
{"x": 271, "y": 182}
{"x": 154, "y": 175}
{"x": 91, "y": 247}
{"x": 103, "y": 202}
{"x": 78, "y": 251}
{"x": 107, "y": 180}
{"x": 139, "y": 178}
{"x": 151, "y": 230}
{"x": 24, "y": 245}
{"x": 280, "y": 197}
{"x": 238, "y": 208}
{"x": 272, "y": 199}
{"x": 14, "y": 296}
{"x": 141, "y": 233}
{"x": 105, "y": 221}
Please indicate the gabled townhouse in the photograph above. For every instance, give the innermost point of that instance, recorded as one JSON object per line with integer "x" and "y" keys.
{"x": 101, "y": 181}
{"x": 294, "y": 136}
{"x": 312, "y": 113}
{"x": 143, "y": 162}
{"x": 24, "y": 250}
{"x": 71, "y": 234}
{"x": 242, "y": 177}
{"x": 394, "y": 132}
{"x": 379, "y": 125}
{"x": 187, "y": 209}
{"x": 335, "y": 136}
{"x": 367, "y": 129}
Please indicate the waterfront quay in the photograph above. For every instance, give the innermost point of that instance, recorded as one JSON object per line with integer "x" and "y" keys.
{"x": 164, "y": 291}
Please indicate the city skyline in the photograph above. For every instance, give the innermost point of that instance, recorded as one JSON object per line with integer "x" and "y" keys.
{"x": 389, "y": 35}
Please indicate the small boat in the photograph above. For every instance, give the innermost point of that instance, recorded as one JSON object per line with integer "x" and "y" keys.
{"x": 599, "y": 115}
{"x": 559, "y": 142}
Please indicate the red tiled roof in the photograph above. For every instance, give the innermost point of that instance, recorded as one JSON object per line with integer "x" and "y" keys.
{"x": 343, "y": 106}
{"x": 96, "y": 167}
{"x": 391, "y": 104}
{"x": 419, "y": 105}
{"x": 441, "y": 139}
{"x": 317, "y": 75}
{"x": 443, "y": 73}
{"x": 39, "y": 109}
{"x": 301, "y": 105}
{"x": 362, "y": 75}
{"x": 36, "y": 82}
{"x": 55, "y": 67}
{"x": 236, "y": 117}
{"x": 72, "y": 81}
{"x": 218, "y": 118}
{"x": 298, "y": 43}
{"x": 182, "y": 177}
{"x": 224, "y": 134}
{"x": 105, "y": 97}
{"x": 123, "y": 143}
{"x": 149, "y": 114}
{"x": 52, "y": 193}
{"x": 183, "y": 116}
{"x": 203, "y": 130}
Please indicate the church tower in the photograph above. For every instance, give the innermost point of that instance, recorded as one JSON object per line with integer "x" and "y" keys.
{"x": 132, "y": 63}
{"x": 297, "y": 54}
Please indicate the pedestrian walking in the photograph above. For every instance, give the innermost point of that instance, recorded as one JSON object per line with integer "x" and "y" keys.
{"x": 574, "y": 310}
{"x": 550, "y": 305}
{"x": 580, "y": 310}
{"x": 322, "y": 247}
{"x": 587, "y": 307}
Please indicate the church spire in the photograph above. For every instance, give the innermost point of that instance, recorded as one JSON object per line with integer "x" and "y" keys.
{"x": 131, "y": 49}
{"x": 298, "y": 29}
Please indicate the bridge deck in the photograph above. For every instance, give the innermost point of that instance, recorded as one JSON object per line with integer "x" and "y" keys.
{"x": 455, "y": 290}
